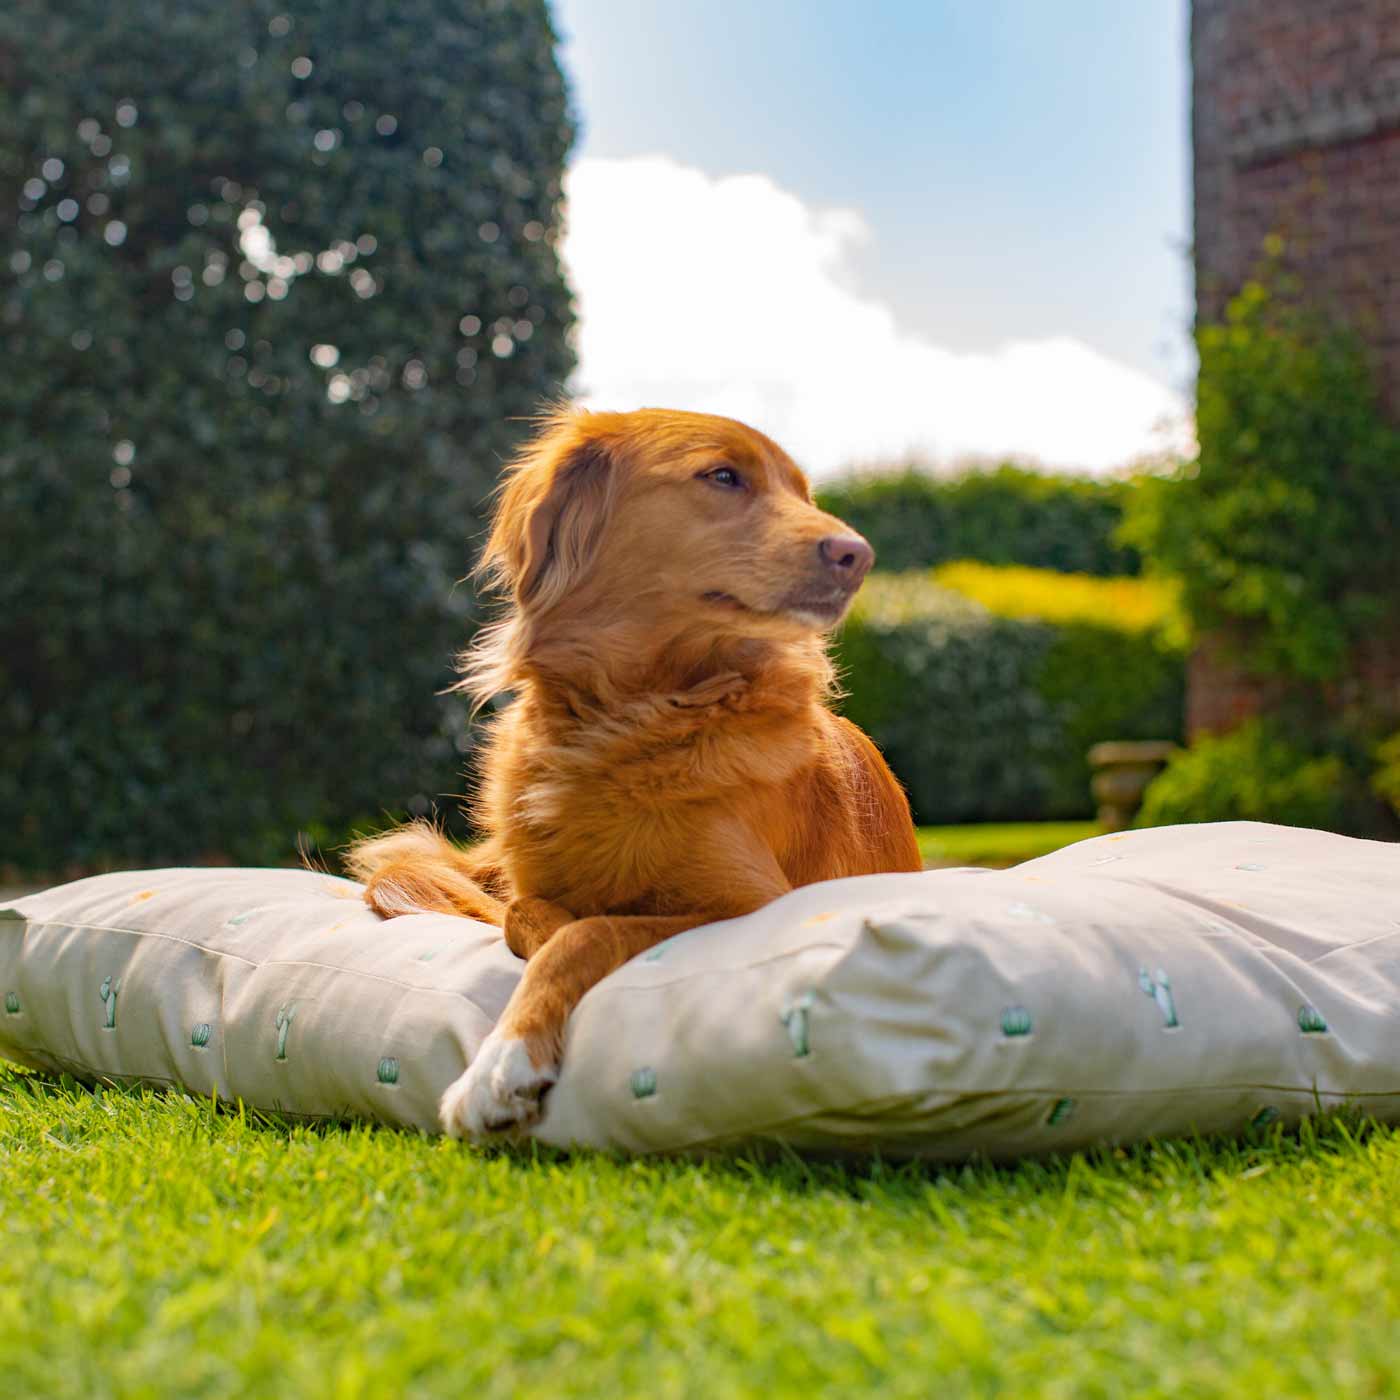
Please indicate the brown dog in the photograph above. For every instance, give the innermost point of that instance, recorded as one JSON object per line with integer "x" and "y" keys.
{"x": 669, "y": 757}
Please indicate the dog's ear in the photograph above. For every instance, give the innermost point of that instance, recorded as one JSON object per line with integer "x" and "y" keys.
{"x": 563, "y": 527}
{"x": 552, "y": 513}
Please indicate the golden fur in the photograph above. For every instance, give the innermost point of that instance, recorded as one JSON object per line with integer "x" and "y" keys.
{"x": 669, "y": 756}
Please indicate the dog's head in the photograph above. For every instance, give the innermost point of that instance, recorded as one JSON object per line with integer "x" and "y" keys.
{"x": 660, "y": 512}
{"x": 659, "y": 524}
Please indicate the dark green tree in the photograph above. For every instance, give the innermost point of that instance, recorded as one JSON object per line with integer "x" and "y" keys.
{"x": 278, "y": 283}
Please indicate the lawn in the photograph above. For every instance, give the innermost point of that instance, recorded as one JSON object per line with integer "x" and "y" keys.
{"x": 153, "y": 1245}
{"x": 999, "y": 843}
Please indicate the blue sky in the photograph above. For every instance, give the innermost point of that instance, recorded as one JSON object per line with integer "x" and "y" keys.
{"x": 1015, "y": 171}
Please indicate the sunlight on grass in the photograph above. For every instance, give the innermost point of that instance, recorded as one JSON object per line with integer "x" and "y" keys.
{"x": 999, "y": 843}
{"x": 155, "y": 1245}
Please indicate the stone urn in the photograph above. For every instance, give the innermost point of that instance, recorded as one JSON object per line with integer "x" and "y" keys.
{"x": 1122, "y": 770}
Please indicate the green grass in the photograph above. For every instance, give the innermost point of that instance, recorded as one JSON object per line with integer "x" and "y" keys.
{"x": 152, "y": 1245}
{"x": 1000, "y": 843}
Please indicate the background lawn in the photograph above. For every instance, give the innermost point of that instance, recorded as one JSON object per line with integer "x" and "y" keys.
{"x": 999, "y": 843}
{"x": 154, "y": 1245}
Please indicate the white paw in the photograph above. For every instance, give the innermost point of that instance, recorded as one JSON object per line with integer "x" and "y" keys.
{"x": 499, "y": 1093}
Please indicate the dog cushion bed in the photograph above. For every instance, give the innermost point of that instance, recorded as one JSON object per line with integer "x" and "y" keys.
{"x": 1198, "y": 978}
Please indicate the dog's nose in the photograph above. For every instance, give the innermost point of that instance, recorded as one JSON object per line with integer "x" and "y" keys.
{"x": 847, "y": 556}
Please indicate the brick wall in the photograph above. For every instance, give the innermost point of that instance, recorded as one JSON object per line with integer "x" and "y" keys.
{"x": 1220, "y": 693}
{"x": 1296, "y": 131}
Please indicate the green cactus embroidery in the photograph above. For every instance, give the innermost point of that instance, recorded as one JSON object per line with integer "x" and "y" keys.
{"x": 1016, "y": 1020}
{"x": 239, "y": 919}
{"x": 108, "y": 993}
{"x": 643, "y": 1082}
{"x": 1060, "y": 1112}
{"x": 1311, "y": 1021}
{"x": 657, "y": 953}
{"x": 1158, "y": 986}
{"x": 796, "y": 1019}
{"x": 388, "y": 1070}
{"x": 199, "y": 1036}
{"x": 12, "y": 1003}
{"x": 1264, "y": 1117}
{"x": 284, "y": 1024}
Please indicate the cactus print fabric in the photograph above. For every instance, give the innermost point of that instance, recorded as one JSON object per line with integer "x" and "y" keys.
{"x": 1205, "y": 978}
{"x": 1202, "y": 978}
{"x": 279, "y": 987}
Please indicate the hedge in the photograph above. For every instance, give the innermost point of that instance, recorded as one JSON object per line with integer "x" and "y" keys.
{"x": 1130, "y": 604}
{"x": 1006, "y": 515}
{"x": 276, "y": 281}
{"x": 989, "y": 718}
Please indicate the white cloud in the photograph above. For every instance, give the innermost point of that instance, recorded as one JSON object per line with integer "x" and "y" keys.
{"x": 732, "y": 296}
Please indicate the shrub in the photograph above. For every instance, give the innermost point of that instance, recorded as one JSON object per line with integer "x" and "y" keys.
{"x": 1286, "y": 523}
{"x": 275, "y": 281}
{"x": 1385, "y": 782}
{"x": 1007, "y": 515}
{"x": 1257, "y": 772}
{"x": 988, "y": 717}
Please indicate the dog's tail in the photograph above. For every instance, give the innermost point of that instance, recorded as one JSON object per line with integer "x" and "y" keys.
{"x": 415, "y": 869}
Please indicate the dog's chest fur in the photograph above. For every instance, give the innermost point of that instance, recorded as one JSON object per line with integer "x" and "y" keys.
{"x": 608, "y": 813}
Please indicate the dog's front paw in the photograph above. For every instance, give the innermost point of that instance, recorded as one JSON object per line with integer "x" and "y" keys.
{"x": 500, "y": 1092}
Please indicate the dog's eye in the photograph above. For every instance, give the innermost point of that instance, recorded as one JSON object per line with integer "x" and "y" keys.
{"x": 724, "y": 476}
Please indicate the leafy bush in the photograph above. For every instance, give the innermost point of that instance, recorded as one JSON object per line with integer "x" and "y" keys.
{"x": 986, "y": 717}
{"x": 1257, "y": 772}
{"x": 1283, "y": 530}
{"x": 273, "y": 282}
{"x": 1007, "y": 515}
{"x": 1385, "y": 782}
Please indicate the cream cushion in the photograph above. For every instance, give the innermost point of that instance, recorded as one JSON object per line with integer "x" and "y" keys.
{"x": 1198, "y": 978}
{"x": 279, "y": 987}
